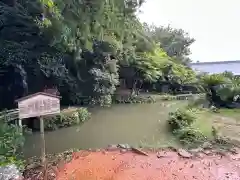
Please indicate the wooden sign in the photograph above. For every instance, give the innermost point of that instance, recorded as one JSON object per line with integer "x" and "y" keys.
{"x": 38, "y": 104}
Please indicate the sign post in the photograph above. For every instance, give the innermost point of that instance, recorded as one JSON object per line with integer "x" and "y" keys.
{"x": 39, "y": 105}
{"x": 42, "y": 139}
{"x": 43, "y": 148}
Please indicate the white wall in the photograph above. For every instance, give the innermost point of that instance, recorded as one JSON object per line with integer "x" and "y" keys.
{"x": 234, "y": 67}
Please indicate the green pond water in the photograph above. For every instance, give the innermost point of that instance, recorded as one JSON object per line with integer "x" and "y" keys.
{"x": 134, "y": 124}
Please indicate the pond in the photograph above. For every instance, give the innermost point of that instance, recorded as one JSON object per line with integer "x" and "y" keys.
{"x": 134, "y": 124}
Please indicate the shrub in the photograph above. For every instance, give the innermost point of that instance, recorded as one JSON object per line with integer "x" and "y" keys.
{"x": 11, "y": 142}
{"x": 67, "y": 118}
{"x": 83, "y": 114}
{"x": 182, "y": 125}
{"x": 180, "y": 119}
{"x": 11, "y": 139}
{"x": 135, "y": 99}
{"x": 190, "y": 135}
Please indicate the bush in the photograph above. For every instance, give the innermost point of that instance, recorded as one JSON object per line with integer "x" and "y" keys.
{"x": 181, "y": 119}
{"x": 83, "y": 114}
{"x": 181, "y": 123}
{"x": 190, "y": 135}
{"x": 135, "y": 99}
{"x": 67, "y": 118}
{"x": 11, "y": 139}
{"x": 11, "y": 142}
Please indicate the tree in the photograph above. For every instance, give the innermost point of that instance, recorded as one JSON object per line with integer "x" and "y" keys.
{"x": 80, "y": 46}
{"x": 69, "y": 44}
{"x": 182, "y": 74}
{"x": 151, "y": 64}
{"x": 176, "y": 42}
{"x": 26, "y": 59}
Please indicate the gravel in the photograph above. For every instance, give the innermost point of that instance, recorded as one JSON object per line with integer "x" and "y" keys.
{"x": 10, "y": 172}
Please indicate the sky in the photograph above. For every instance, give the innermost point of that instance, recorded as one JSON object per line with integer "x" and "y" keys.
{"x": 214, "y": 24}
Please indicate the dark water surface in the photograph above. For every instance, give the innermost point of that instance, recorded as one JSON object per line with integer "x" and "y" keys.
{"x": 132, "y": 124}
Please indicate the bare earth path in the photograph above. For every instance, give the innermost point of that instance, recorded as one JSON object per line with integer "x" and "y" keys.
{"x": 228, "y": 126}
{"x": 163, "y": 165}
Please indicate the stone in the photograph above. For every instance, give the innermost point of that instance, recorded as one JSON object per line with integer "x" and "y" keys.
{"x": 207, "y": 152}
{"x": 184, "y": 153}
{"x": 234, "y": 151}
{"x": 124, "y": 146}
{"x": 112, "y": 147}
{"x": 161, "y": 154}
{"x": 123, "y": 150}
{"x": 10, "y": 172}
{"x": 207, "y": 145}
{"x": 200, "y": 155}
{"x": 235, "y": 157}
{"x": 196, "y": 150}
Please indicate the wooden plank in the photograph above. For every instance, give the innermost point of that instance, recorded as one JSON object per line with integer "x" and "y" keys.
{"x": 39, "y": 105}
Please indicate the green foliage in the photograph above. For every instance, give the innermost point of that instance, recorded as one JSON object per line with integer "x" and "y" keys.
{"x": 83, "y": 114}
{"x": 176, "y": 42}
{"x": 135, "y": 99}
{"x": 229, "y": 91}
{"x": 11, "y": 142}
{"x": 180, "y": 119}
{"x": 152, "y": 63}
{"x": 28, "y": 61}
{"x": 11, "y": 139}
{"x": 222, "y": 89}
{"x": 182, "y": 74}
{"x": 190, "y": 126}
{"x": 181, "y": 126}
{"x": 213, "y": 80}
{"x": 79, "y": 47}
{"x": 67, "y": 118}
{"x": 190, "y": 135}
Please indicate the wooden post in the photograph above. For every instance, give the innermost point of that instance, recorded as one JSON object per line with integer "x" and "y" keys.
{"x": 43, "y": 153}
{"x": 20, "y": 124}
{"x": 42, "y": 139}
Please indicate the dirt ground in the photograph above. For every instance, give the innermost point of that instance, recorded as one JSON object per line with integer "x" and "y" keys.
{"x": 228, "y": 126}
{"x": 162, "y": 165}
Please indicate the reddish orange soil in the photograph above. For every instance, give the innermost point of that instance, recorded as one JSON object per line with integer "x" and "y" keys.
{"x": 164, "y": 165}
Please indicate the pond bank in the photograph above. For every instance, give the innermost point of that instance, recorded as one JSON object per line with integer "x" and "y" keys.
{"x": 116, "y": 164}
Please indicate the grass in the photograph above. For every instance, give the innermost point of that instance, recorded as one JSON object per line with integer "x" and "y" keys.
{"x": 225, "y": 121}
{"x": 159, "y": 144}
{"x": 203, "y": 123}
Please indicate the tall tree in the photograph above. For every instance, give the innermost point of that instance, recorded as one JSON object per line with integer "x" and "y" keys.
{"x": 176, "y": 42}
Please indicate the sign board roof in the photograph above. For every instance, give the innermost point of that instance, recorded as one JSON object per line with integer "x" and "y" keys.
{"x": 38, "y": 93}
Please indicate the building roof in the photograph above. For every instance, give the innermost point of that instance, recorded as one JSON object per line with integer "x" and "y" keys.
{"x": 216, "y": 62}
{"x": 217, "y": 67}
